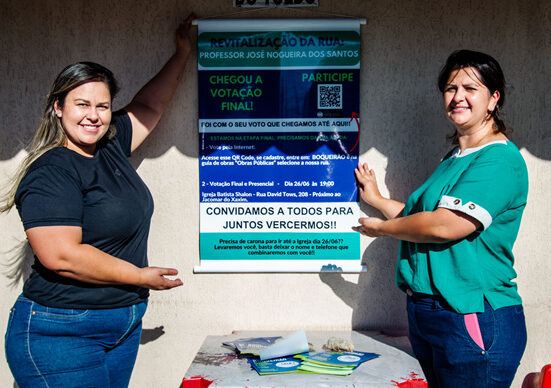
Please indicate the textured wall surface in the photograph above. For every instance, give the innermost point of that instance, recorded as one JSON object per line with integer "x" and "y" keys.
{"x": 404, "y": 44}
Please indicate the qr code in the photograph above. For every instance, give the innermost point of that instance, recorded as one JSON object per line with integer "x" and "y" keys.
{"x": 330, "y": 96}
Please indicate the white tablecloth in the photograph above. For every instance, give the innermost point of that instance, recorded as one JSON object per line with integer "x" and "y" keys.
{"x": 395, "y": 365}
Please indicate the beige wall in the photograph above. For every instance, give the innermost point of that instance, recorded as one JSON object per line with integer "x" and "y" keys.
{"x": 404, "y": 43}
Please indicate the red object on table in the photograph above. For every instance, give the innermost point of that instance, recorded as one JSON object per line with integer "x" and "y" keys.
{"x": 195, "y": 382}
{"x": 412, "y": 383}
{"x": 545, "y": 376}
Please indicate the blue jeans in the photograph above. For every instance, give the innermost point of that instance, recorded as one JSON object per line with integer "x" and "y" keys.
{"x": 450, "y": 357}
{"x": 54, "y": 347}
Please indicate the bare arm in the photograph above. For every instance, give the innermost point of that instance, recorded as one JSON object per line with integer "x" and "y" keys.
{"x": 59, "y": 249}
{"x": 369, "y": 191}
{"x": 438, "y": 226}
{"x": 149, "y": 104}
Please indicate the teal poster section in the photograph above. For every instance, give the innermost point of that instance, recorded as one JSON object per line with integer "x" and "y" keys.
{"x": 279, "y": 131}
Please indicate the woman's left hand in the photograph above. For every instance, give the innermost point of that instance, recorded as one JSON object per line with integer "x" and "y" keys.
{"x": 183, "y": 39}
{"x": 369, "y": 226}
{"x": 147, "y": 107}
{"x": 155, "y": 278}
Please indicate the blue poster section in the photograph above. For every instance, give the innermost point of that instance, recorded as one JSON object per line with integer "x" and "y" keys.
{"x": 271, "y": 93}
{"x": 279, "y": 175}
{"x": 270, "y": 161}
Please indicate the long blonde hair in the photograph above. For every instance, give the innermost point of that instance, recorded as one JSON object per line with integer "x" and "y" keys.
{"x": 50, "y": 133}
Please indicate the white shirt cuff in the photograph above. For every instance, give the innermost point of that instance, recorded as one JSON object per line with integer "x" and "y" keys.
{"x": 469, "y": 208}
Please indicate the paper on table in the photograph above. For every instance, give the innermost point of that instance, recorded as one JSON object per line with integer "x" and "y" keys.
{"x": 295, "y": 343}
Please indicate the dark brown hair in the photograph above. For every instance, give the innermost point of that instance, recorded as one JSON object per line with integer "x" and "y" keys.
{"x": 490, "y": 73}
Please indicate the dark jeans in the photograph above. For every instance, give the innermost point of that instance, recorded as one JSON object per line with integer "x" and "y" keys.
{"x": 53, "y": 347}
{"x": 450, "y": 357}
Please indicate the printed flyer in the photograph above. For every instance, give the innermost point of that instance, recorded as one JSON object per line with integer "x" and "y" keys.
{"x": 279, "y": 132}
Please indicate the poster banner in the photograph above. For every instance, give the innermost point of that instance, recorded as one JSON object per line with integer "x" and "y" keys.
{"x": 279, "y": 132}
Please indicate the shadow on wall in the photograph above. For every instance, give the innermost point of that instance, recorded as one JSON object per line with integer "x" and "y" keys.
{"x": 376, "y": 302}
{"x": 149, "y": 335}
{"x": 538, "y": 143}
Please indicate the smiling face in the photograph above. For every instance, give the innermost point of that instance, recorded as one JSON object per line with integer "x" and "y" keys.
{"x": 85, "y": 116}
{"x": 467, "y": 101}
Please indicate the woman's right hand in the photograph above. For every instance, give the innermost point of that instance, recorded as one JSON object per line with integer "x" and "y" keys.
{"x": 369, "y": 191}
{"x": 367, "y": 184}
{"x": 155, "y": 278}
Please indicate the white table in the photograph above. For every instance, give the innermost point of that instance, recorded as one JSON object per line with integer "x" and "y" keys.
{"x": 395, "y": 365}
